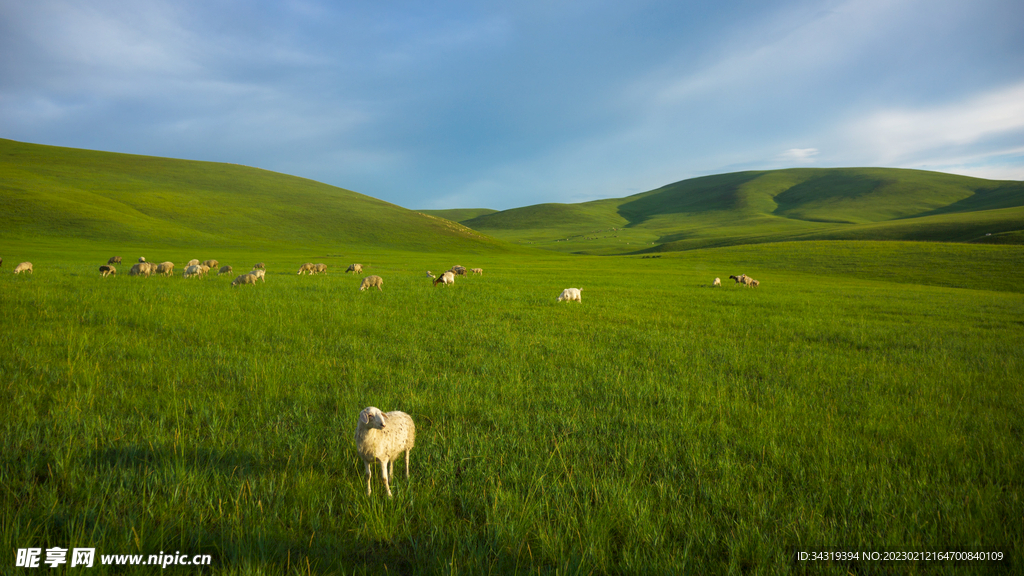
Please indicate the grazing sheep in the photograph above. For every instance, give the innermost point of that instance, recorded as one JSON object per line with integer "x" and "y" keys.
{"x": 244, "y": 279}
{"x": 754, "y": 283}
{"x": 717, "y": 282}
{"x": 570, "y": 294}
{"x": 308, "y": 267}
{"x": 477, "y": 271}
{"x": 320, "y": 269}
{"x": 446, "y": 278}
{"x": 224, "y": 270}
{"x": 738, "y": 279}
{"x": 383, "y": 437}
{"x": 748, "y": 281}
{"x": 459, "y": 270}
{"x": 260, "y": 275}
{"x": 372, "y": 282}
{"x": 192, "y": 262}
{"x": 260, "y": 265}
{"x": 23, "y": 267}
{"x": 112, "y": 260}
{"x": 357, "y": 268}
{"x": 191, "y": 271}
{"x": 107, "y": 270}
{"x": 141, "y": 269}
{"x": 211, "y": 264}
{"x": 165, "y": 268}
{"x": 203, "y": 269}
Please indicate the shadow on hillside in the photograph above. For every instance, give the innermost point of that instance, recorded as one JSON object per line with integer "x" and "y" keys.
{"x": 1008, "y": 195}
{"x": 698, "y": 195}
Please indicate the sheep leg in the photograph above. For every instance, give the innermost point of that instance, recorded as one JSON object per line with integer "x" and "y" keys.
{"x": 407, "y": 463}
{"x": 369, "y": 476}
{"x": 384, "y": 473}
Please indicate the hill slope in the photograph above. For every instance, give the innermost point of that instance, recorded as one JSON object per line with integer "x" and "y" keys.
{"x": 778, "y": 205}
{"x": 48, "y": 192}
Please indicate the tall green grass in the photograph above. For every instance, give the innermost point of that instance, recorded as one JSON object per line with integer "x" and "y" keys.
{"x": 660, "y": 426}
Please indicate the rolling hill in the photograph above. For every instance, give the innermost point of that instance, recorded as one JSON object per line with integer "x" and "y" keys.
{"x": 51, "y": 193}
{"x": 771, "y": 206}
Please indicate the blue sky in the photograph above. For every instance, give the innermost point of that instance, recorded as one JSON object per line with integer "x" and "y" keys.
{"x": 447, "y": 104}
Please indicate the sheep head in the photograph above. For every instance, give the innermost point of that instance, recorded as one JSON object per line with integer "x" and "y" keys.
{"x": 373, "y": 418}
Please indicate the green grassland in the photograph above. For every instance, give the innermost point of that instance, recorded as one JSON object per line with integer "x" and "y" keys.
{"x": 866, "y": 396}
{"x": 773, "y": 206}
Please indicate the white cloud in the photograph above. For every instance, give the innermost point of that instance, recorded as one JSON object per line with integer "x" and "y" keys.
{"x": 799, "y": 155}
{"x": 939, "y": 134}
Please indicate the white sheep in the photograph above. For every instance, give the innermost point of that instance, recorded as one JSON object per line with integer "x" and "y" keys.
{"x": 259, "y": 274}
{"x": 383, "y": 437}
{"x": 717, "y": 282}
{"x": 320, "y": 269}
{"x": 112, "y": 260}
{"x": 446, "y": 278}
{"x": 372, "y": 282}
{"x": 191, "y": 271}
{"x": 193, "y": 262}
{"x": 142, "y": 259}
{"x": 570, "y": 294}
{"x": 260, "y": 265}
{"x": 308, "y": 267}
{"x": 107, "y": 270}
{"x": 142, "y": 269}
{"x": 244, "y": 279}
{"x": 165, "y": 268}
{"x": 211, "y": 264}
{"x": 225, "y": 270}
{"x": 477, "y": 271}
{"x": 357, "y": 268}
{"x": 23, "y": 267}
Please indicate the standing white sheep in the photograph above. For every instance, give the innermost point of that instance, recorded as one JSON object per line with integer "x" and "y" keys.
{"x": 23, "y": 267}
{"x": 717, "y": 282}
{"x": 570, "y": 294}
{"x": 383, "y": 437}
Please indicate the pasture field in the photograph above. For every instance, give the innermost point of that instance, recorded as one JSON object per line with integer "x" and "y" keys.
{"x": 661, "y": 426}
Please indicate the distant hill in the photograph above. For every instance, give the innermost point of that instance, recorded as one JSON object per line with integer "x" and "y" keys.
{"x": 48, "y": 192}
{"x": 459, "y": 214}
{"x": 770, "y": 206}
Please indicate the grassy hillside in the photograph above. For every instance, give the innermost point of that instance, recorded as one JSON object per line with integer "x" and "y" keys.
{"x": 119, "y": 199}
{"x": 772, "y": 206}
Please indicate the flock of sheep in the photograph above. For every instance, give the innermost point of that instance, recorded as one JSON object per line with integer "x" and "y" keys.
{"x": 380, "y": 436}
